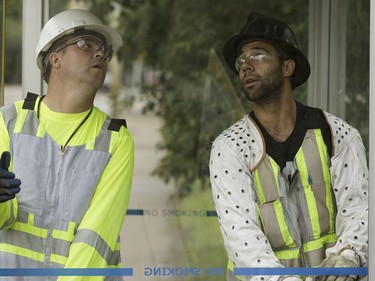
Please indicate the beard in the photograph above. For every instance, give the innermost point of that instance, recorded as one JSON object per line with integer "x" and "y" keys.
{"x": 268, "y": 88}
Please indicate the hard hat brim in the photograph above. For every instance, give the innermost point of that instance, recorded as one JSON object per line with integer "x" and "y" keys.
{"x": 113, "y": 38}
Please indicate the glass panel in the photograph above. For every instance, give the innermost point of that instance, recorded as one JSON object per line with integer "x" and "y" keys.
{"x": 13, "y": 49}
{"x": 2, "y": 26}
{"x": 177, "y": 96}
{"x": 195, "y": 97}
{"x": 357, "y": 66}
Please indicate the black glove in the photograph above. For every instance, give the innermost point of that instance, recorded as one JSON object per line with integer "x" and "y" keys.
{"x": 9, "y": 185}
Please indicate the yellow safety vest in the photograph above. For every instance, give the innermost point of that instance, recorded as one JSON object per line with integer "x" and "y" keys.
{"x": 298, "y": 217}
{"x": 52, "y": 206}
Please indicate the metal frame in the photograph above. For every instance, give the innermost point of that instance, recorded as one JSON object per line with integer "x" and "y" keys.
{"x": 371, "y": 265}
{"x": 327, "y": 55}
{"x": 34, "y": 14}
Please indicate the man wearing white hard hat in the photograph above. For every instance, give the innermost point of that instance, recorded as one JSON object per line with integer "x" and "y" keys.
{"x": 66, "y": 167}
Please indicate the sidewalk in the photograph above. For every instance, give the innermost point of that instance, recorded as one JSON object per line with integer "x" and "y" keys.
{"x": 149, "y": 241}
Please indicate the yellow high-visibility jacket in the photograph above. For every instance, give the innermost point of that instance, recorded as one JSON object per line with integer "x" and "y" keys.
{"x": 71, "y": 206}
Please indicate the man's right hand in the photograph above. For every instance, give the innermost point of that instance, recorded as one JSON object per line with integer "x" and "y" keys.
{"x": 9, "y": 185}
{"x": 336, "y": 260}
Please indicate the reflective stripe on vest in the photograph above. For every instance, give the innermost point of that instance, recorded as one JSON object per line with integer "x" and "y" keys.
{"x": 27, "y": 240}
{"x": 9, "y": 113}
{"x": 268, "y": 190}
{"x": 312, "y": 163}
{"x": 92, "y": 238}
{"x": 11, "y": 216}
{"x": 314, "y": 230}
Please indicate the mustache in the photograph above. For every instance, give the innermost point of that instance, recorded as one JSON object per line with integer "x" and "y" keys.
{"x": 248, "y": 75}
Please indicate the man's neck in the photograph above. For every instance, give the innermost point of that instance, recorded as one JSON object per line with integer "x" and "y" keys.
{"x": 278, "y": 118}
{"x": 69, "y": 99}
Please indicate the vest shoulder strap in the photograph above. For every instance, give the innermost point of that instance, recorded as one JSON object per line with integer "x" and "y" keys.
{"x": 29, "y": 102}
{"x": 115, "y": 124}
{"x": 316, "y": 119}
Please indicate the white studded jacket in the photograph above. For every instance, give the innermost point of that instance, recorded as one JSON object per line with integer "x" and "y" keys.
{"x": 234, "y": 155}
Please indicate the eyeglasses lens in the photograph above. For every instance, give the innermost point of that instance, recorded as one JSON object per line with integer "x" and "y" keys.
{"x": 255, "y": 58}
{"x": 92, "y": 45}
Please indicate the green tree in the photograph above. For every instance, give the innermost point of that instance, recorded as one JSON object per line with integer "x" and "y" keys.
{"x": 174, "y": 37}
{"x": 13, "y": 42}
{"x": 358, "y": 64}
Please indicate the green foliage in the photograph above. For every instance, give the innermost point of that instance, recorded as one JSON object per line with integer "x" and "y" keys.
{"x": 358, "y": 60}
{"x": 179, "y": 109}
{"x": 175, "y": 38}
{"x": 13, "y": 39}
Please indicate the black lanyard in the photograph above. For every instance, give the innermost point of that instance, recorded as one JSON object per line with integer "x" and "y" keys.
{"x": 71, "y": 136}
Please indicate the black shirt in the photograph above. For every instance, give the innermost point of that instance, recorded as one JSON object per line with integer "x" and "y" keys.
{"x": 307, "y": 118}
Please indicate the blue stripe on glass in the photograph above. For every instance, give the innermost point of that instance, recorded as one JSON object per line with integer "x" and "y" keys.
{"x": 140, "y": 212}
{"x": 306, "y": 271}
{"x": 135, "y": 212}
{"x": 66, "y": 271}
{"x": 211, "y": 214}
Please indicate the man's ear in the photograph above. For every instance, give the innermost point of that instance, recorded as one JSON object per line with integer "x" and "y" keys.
{"x": 54, "y": 59}
{"x": 288, "y": 67}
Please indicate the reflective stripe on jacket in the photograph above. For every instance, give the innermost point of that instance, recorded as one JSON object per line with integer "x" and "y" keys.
{"x": 53, "y": 201}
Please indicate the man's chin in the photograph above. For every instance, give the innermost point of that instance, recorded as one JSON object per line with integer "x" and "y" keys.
{"x": 251, "y": 95}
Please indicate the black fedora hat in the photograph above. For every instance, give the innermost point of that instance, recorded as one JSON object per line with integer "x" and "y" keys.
{"x": 273, "y": 31}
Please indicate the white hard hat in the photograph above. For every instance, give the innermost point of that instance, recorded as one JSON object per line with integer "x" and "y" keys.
{"x": 68, "y": 22}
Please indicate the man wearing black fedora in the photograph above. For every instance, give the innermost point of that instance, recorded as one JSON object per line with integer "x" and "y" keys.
{"x": 289, "y": 181}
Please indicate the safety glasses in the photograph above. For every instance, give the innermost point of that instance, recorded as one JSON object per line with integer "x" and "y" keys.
{"x": 254, "y": 57}
{"x": 90, "y": 44}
